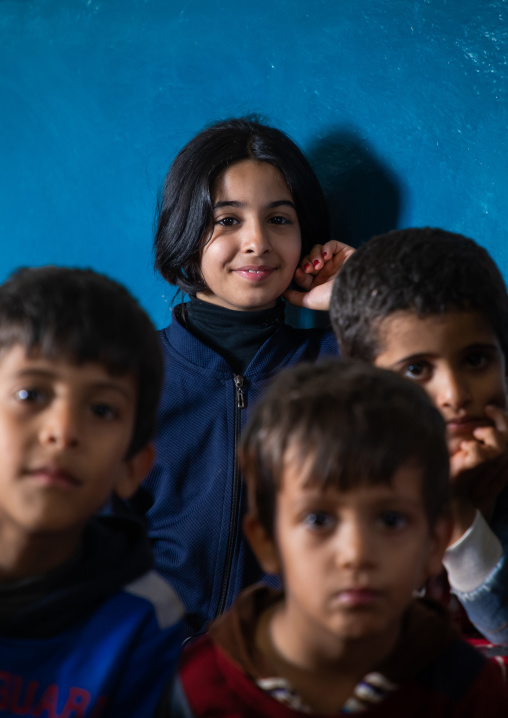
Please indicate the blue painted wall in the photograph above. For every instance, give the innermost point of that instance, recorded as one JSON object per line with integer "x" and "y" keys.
{"x": 401, "y": 106}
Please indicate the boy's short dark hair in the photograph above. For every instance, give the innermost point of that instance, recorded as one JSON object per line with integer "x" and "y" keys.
{"x": 82, "y": 316}
{"x": 356, "y": 423}
{"x": 185, "y": 211}
{"x": 428, "y": 271}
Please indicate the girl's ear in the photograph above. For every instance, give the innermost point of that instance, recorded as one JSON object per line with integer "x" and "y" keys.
{"x": 439, "y": 540}
{"x": 134, "y": 471}
{"x": 264, "y": 547}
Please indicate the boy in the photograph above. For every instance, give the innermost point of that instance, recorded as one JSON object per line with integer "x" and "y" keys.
{"x": 86, "y": 629}
{"x": 347, "y": 474}
{"x": 433, "y": 306}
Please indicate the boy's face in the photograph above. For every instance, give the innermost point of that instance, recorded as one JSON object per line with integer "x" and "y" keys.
{"x": 456, "y": 358}
{"x": 350, "y": 560}
{"x": 64, "y": 433}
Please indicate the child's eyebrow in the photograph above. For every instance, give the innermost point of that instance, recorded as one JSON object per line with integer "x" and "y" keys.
{"x": 490, "y": 346}
{"x": 414, "y": 357}
{"x": 270, "y": 205}
{"x": 477, "y": 346}
{"x": 398, "y": 501}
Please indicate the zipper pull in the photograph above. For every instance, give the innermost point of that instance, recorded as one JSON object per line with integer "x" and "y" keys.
{"x": 240, "y": 399}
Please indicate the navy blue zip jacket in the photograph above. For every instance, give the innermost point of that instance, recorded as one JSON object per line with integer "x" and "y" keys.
{"x": 193, "y": 498}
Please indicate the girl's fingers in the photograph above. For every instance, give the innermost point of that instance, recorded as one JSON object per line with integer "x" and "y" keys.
{"x": 321, "y": 254}
{"x": 316, "y": 273}
{"x": 316, "y": 257}
{"x": 333, "y": 248}
{"x": 306, "y": 265}
{"x": 303, "y": 279}
{"x": 317, "y": 297}
{"x": 313, "y": 262}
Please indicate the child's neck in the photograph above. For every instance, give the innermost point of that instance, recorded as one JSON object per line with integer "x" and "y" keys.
{"x": 23, "y": 556}
{"x": 324, "y": 673}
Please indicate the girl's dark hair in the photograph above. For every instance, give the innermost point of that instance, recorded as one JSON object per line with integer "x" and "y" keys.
{"x": 428, "y": 271}
{"x": 81, "y": 316}
{"x": 185, "y": 213}
{"x": 347, "y": 424}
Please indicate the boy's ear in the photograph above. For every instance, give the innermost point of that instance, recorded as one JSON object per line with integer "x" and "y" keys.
{"x": 134, "y": 471}
{"x": 440, "y": 538}
{"x": 263, "y": 546}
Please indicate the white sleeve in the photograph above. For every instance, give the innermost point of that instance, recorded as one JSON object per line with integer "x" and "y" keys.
{"x": 471, "y": 559}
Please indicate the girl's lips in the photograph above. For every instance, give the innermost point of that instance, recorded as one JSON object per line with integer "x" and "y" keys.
{"x": 253, "y": 273}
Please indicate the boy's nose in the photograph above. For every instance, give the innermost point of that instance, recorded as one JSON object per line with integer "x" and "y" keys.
{"x": 256, "y": 239}
{"x": 452, "y": 391}
{"x": 59, "y": 426}
{"x": 355, "y": 548}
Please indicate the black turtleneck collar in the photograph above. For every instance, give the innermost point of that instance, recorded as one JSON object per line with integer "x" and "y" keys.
{"x": 235, "y": 335}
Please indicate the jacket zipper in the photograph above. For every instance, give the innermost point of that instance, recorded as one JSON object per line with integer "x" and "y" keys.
{"x": 235, "y": 495}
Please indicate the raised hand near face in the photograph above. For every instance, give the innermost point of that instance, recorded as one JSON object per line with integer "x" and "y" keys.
{"x": 479, "y": 471}
{"x": 316, "y": 273}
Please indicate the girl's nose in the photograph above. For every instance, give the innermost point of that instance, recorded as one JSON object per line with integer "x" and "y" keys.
{"x": 256, "y": 240}
{"x": 59, "y": 426}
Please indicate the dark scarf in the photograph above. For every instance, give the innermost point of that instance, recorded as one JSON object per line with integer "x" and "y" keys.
{"x": 235, "y": 335}
{"x": 114, "y": 552}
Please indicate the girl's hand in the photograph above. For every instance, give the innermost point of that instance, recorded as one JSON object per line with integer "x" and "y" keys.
{"x": 479, "y": 469}
{"x": 316, "y": 274}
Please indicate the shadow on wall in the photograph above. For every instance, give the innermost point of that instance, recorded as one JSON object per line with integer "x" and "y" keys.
{"x": 364, "y": 198}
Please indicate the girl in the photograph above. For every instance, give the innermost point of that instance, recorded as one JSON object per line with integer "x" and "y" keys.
{"x": 240, "y": 208}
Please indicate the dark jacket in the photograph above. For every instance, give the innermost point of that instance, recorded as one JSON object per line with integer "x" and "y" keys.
{"x": 430, "y": 673}
{"x": 100, "y": 636}
{"x": 193, "y": 498}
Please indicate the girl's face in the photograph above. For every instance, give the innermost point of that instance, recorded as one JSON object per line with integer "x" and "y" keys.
{"x": 255, "y": 246}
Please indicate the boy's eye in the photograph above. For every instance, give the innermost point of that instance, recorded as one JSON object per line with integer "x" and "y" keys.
{"x": 103, "y": 411}
{"x": 30, "y": 395}
{"x": 476, "y": 360}
{"x": 417, "y": 370}
{"x": 394, "y": 520}
{"x": 318, "y": 520}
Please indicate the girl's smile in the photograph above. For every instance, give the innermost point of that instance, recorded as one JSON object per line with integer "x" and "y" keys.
{"x": 253, "y": 252}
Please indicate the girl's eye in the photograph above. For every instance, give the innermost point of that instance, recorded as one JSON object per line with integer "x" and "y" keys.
{"x": 30, "y": 395}
{"x": 279, "y": 220}
{"x": 104, "y": 411}
{"x": 393, "y": 520}
{"x": 227, "y": 221}
{"x": 318, "y": 520}
{"x": 417, "y": 370}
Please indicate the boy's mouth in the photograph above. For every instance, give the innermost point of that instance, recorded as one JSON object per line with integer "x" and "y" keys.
{"x": 465, "y": 425}
{"x": 358, "y": 597}
{"x": 51, "y": 475}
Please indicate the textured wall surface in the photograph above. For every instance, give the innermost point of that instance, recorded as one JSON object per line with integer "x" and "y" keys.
{"x": 401, "y": 106}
